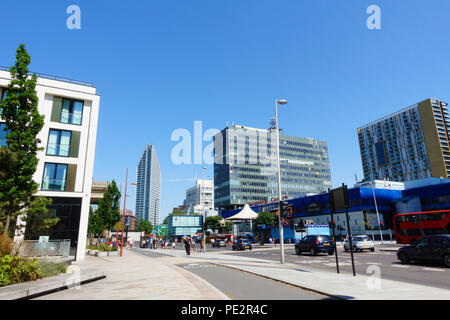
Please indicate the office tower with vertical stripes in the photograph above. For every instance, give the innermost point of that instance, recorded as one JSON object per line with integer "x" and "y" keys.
{"x": 410, "y": 144}
{"x": 148, "y": 190}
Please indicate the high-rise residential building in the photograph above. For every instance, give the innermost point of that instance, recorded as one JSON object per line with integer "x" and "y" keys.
{"x": 200, "y": 198}
{"x": 410, "y": 144}
{"x": 148, "y": 190}
{"x": 245, "y": 167}
{"x": 66, "y": 163}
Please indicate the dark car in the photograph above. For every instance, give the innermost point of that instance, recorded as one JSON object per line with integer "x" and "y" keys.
{"x": 432, "y": 248}
{"x": 242, "y": 245}
{"x": 315, "y": 244}
{"x": 219, "y": 243}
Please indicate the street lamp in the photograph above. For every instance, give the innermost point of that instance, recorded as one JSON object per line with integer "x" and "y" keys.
{"x": 376, "y": 208}
{"x": 280, "y": 224}
{"x": 124, "y": 208}
{"x": 203, "y": 205}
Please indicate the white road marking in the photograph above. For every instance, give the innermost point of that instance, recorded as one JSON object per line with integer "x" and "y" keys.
{"x": 433, "y": 269}
{"x": 399, "y": 266}
{"x": 376, "y": 263}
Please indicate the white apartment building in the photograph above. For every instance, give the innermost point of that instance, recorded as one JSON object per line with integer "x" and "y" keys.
{"x": 66, "y": 163}
{"x": 200, "y": 197}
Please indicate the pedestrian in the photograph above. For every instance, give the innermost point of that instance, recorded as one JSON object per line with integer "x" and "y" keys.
{"x": 270, "y": 240}
{"x": 187, "y": 247}
{"x": 201, "y": 246}
{"x": 193, "y": 245}
{"x": 173, "y": 245}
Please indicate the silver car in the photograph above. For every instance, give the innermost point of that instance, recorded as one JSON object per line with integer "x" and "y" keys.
{"x": 360, "y": 243}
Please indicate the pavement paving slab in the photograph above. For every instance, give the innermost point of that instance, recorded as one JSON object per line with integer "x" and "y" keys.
{"x": 141, "y": 278}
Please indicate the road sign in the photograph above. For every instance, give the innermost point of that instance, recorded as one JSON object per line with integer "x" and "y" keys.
{"x": 161, "y": 230}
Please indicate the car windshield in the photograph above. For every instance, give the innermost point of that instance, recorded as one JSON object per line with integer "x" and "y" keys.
{"x": 362, "y": 238}
{"x": 324, "y": 238}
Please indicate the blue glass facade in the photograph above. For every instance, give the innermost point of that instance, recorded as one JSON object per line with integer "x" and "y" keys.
{"x": 148, "y": 190}
{"x": 434, "y": 197}
{"x": 178, "y": 226}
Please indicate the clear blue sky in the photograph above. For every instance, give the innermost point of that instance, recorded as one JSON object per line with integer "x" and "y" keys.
{"x": 161, "y": 65}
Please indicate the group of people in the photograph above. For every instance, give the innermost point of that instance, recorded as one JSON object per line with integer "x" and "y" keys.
{"x": 189, "y": 244}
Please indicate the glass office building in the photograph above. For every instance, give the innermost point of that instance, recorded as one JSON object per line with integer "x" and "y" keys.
{"x": 178, "y": 226}
{"x": 245, "y": 167}
{"x": 148, "y": 190}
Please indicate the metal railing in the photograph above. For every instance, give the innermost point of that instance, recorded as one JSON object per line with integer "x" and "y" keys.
{"x": 52, "y": 248}
{"x": 50, "y": 77}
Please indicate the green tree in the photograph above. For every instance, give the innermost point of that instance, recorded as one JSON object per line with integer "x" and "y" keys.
{"x": 95, "y": 225}
{"x": 177, "y": 213}
{"x": 165, "y": 220}
{"x": 146, "y": 226}
{"x": 213, "y": 222}
{"x": 22, "y": 118}
{"x": 267, "y": 219}
{"x": 38, "y": 219}
{"x": 8, "y": 162}
{"x": 108, "y": 207}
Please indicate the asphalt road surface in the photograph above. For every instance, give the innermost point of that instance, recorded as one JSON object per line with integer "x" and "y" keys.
{"x": 428, "y": 274}
{"x": 240, "y": 285}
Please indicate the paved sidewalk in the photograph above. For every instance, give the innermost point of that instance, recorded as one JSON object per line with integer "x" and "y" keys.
{"x": 345, "y": 286}
{"x": 138, "y": 277}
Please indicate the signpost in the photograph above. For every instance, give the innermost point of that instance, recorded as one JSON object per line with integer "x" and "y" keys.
{"x": 161, "y": 230}
{"x": 339, "y": 201}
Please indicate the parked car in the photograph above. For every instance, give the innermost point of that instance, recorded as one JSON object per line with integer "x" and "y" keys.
{"x": 432, "y": 248}
{"x": 359, "y": 243}
{"x": 242, "y": 245}
{"x": 219, "y": 243}
{"x": 315, "y": 244}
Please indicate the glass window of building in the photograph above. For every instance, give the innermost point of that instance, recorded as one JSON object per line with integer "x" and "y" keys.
{"x": 3, "y": 132}
{"x": 59, "y": 143}
{"x": 71, "y": 111}
{"x": 2, "y": 96}
{"x": 54, "y": 177}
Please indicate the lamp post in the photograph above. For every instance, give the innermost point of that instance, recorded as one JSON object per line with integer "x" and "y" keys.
{"x": 124, "y": 208}
{"x": 203, "y": 205}
{"x": 378, "y": 214}
{"x": 280, "y": 224}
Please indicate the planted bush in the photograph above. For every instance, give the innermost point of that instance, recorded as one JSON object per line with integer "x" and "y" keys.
{"x": 14, "y": 269}
{"x": 50, "y": 269}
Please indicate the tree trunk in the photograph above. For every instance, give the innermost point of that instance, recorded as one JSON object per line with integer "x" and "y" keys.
{"x": 8, "y": 221}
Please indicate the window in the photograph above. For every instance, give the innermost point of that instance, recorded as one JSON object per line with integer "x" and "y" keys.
{"x": 54, "y": 177}
{"x": 2, "y": 96}
{"x": 71, "y": 111}
{"x": 3, "y": 132}
{"x": 59, "y": 143}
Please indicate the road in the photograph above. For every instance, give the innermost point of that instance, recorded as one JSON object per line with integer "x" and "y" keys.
{"x": 390, "y": 268}
{"x": 244, "y": 286}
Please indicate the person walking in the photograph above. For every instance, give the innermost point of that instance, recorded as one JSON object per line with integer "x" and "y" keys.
{"x": 187, "y": 247}
{"x": 173, "y": 245}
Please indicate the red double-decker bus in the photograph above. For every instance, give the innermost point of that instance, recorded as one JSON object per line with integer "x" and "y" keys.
{"x": 410, "y": 227}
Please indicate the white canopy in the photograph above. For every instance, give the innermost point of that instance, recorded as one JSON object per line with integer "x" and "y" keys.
{"x": 245, "y": 214}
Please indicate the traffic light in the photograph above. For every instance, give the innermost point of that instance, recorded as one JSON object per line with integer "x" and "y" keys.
{"x": 284, "y": 209}
{"x": 301, "y": 224}
{"x": 332, "y": 224}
